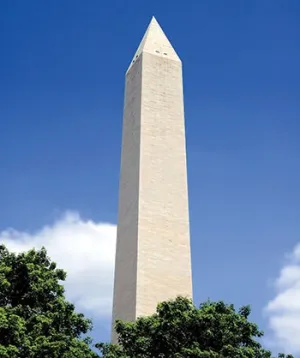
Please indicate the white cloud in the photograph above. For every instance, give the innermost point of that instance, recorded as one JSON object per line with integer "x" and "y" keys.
{"x": 283, "y": 311}
{"x": 85, "y": 249}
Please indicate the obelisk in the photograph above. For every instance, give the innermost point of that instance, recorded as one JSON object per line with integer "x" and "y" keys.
{"x": 153, "y": 259}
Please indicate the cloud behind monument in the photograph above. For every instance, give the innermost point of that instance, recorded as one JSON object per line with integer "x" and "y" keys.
{"x": 85, "y": 249}
{"x": 283, "y": 311}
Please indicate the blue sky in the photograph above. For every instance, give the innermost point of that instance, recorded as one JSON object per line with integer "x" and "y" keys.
{"x": 62, "y": 69}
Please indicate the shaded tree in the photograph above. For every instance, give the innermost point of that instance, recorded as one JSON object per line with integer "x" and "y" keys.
{"x": 178, "y": 329}
{"x": 36, "y": 321}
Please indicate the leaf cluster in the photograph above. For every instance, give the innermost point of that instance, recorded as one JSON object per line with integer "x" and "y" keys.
{"x": 178, "y": 329}
{"x": 36, "y": 321}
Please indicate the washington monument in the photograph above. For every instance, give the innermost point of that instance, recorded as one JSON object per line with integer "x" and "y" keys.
{"x": 153, "y": 259}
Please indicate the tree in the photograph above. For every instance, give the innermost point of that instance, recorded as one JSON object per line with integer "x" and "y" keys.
{"x": 180, "y": 330}
{"x": 36, "y": 321}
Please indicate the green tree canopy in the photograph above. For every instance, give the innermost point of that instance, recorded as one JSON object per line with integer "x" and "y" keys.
{"x": 36, "y": 321}
{"x": 180, "y": 330}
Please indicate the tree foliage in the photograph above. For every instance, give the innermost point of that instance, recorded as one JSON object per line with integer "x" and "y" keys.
{"x": 36, "y": 321}
{"x": 180, "y": 330}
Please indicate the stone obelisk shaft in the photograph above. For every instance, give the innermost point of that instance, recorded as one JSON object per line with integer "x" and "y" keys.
{"x": 153, "y": 260}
